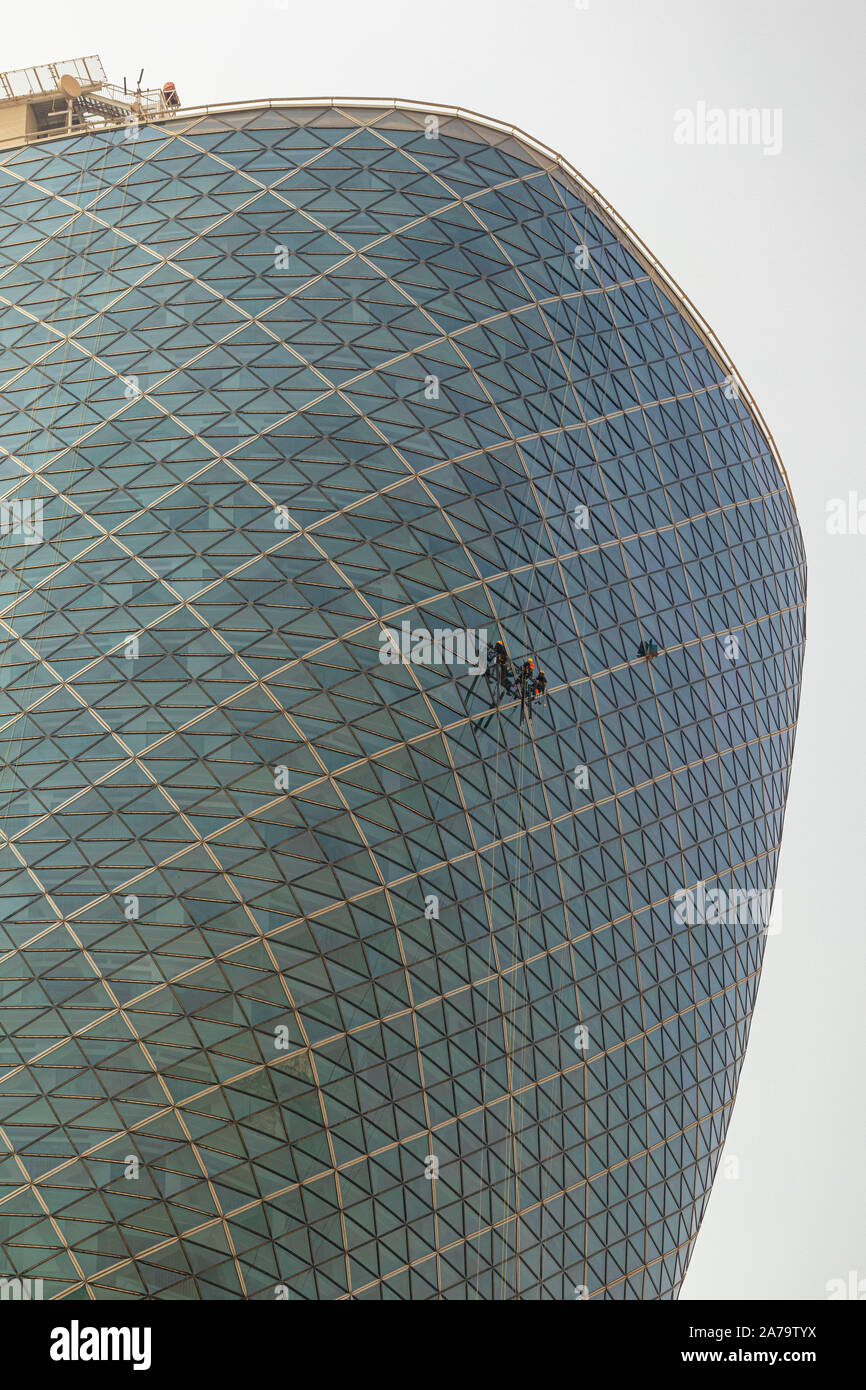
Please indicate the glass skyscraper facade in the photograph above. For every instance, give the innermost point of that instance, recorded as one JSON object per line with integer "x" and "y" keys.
{"x": 331, "y": 965}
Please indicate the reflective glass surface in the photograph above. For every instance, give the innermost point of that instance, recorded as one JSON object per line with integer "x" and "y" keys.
{"x": 328, "y": 972}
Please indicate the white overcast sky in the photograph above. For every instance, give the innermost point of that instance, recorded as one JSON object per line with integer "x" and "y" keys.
{"x": 770, "y": 251}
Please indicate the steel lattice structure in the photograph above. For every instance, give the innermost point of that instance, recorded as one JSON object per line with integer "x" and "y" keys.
{"x": 323, "y": 977}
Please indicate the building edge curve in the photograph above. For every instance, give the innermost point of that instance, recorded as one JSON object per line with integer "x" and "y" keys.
{"x": 551, "y": 158}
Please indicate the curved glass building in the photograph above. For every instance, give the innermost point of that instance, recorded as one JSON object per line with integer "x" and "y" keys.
{"x": 336, "y": 962}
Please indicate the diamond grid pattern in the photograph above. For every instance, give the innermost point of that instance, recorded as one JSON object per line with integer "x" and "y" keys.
{"x": 168, "y": 392}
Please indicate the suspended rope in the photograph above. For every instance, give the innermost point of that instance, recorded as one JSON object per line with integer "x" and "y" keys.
{"x": 580, "y": 629}
{"x": 525, "y": 712}
{"x": 525, "y": 721}
{"x": 55, "y": 564}
{"x": 28, "y": 687}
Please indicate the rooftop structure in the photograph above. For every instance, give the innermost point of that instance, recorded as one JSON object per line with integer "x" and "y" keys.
{"x": 72, "y": 95}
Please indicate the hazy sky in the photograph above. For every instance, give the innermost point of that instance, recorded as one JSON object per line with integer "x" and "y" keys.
{"x": 765, "y": 247}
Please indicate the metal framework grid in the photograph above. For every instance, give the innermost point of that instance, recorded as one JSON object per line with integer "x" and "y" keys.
{"x": 163, "y": 372}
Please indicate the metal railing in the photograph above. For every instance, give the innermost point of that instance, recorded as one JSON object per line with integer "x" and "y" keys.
{"x": 44, "y": 80}
{"x": 151, "y": 102}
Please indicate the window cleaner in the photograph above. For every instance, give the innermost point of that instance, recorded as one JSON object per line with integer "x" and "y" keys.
{"x": 501, "y": 667}
{"x": 648, "y": 649}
